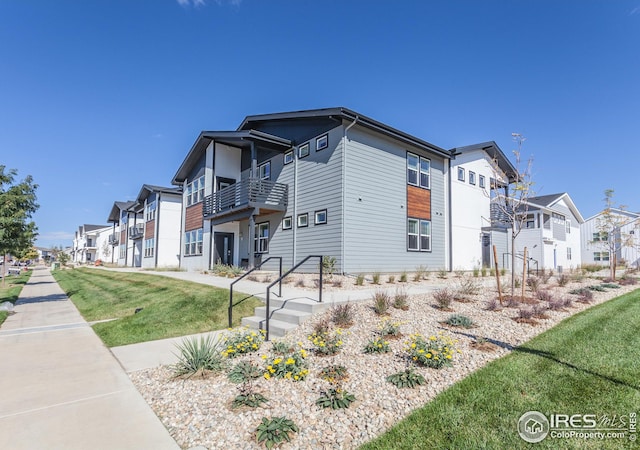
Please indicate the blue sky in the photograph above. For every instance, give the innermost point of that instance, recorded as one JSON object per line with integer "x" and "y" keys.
{"x": 100, "y": 97}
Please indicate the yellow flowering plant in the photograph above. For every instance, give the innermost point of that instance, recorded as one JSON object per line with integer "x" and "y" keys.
{"x": 435, "y": 351}
{"x": 326, "y": 342}
{"x": 291, "y": 366}
{"x": 242, "y": 340}
{"x": 377, "y": 345}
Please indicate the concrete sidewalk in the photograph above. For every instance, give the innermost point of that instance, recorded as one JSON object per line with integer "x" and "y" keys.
{"x": 61, "y": 387}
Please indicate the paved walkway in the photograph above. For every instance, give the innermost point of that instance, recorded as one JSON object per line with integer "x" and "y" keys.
{"x": 61, "y": 387}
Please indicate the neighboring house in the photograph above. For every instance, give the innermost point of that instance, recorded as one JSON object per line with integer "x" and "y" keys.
{"x": 87, "y": 245}
{"x": 159, "y": 229}
{"x": 551, "y": 233}
{"x": 595, "y": 243}
{"x": 476, "y": 171}
{"x": 322, "y": 182}
{"x": 126, "y": 250}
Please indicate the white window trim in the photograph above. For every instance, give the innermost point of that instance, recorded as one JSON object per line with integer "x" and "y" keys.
{"x": 461, "y": 176}
{"x": 412, "y": 169}
{"x": 481, "y": 181}
{"x": 263, "y": 167}
{"x": 322, "y": 142}
{"x": 304, "y": 216}
{"x": 288, "y": 156}
{"x": 307, "y": 149}
{"x": 261, "y": 243}
{"x": 472, "y": 178}
{"x": 285, "y": 220}
{"x": 320, "y": 222}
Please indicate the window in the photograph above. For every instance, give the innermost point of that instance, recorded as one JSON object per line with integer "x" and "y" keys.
{"x": 417, "y": 166}
{"x": 460, "y": 174}
{"x": 568, "y": 253}
{"x": 195, "y": 191}
{"x": 601, "y": 256}
{"x": 530, "y": 221}
{"x": 193, "y": 242}
{"x": 123, "y": 251}
{"x": 600, "y": 236}
{"x": 150, "y": 211}
{"x": 481, "y": 181}
{"x": 418, "y": 235}
{"x": 472, "y": 178}
{"x": 288, "y": 158}
{"x": 322, "y": 142}
{"x": 303, "y": 151}
{"x": 303, "y": 220}
{"x": 320, "y": 217}
{"x": 413, "y": 162}
{"x": 567, "y": 226}
{"x": 264, "y": 171}
{"x": 149, "y": 247}
{"x": 286, "y": 223}
{"x": 261, "y": 242}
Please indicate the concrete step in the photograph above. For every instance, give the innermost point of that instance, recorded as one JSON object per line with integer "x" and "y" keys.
{"x": 284, "y": 314}
{"x": 298, "y": 304}
{"x": 277, "y": 328}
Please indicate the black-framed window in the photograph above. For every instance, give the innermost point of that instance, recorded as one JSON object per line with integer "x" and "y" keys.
{"x": 264, "y": 171}
{"x": 418, "y": 171}
{"x": 150, "y": 211}
{"x": 413, "y": 163}
{"x": 287, "y": 223}
{"x": 288, "y": 158}
{"x": 303, "y": 151}
{"x": 481, "y": 181}
{"x": 320, "y": 217}
{"x": 568, "y": 253}
{"x": 193, "y": 242}
{"x": 460, "y": 173}
{"x": 149, "y": 247}
{"x": 322, "y": 142}
{"x": 195, "y": 191}
{"x": 472, "y": 178}
{"x": 418, "y": 235}
{"x": 261, "y": 239}
{"x": 303, "y": 220}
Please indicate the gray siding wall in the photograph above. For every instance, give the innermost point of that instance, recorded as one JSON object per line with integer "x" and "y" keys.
{"x": 318, "y": 188}
{"x": 376, "y": 206}
{"x": 559, "y": 230}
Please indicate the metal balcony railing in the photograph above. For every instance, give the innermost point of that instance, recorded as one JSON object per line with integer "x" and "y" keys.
{"x": 114, "y": 239}
{"x": 136, "y": 231}
{"x": 251, "y": 192}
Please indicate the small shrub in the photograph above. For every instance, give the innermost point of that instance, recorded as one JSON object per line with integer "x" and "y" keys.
{"x": 401, "y": 300}
{"x": 567, "y": 302}
{"x": 403, "y": 277}
{"x": 300, "y": 282}
{"x": 406, "y": 379}
{"x": 198, "y": 356}
{"x": 375, "y": 278}
{"x": 525, "y": 314}
{"x": 538, "y": 312}
{"x": 275, "y": 431}
{"x": 388, "y": 328}
{"x": 342, "y": 315}
{"x": 359, "y": 279}
{"x": 334, "y": 373}
{"x": 483, "y": 272}
{"x": 442, "y": 274}
{"x": 336, "y": 283}
{"x": 322, "y": 326}
{"x": 335, "y": 398}
{"x": 459, "y": 273}
{"x": 443, "y": 298}
{"x": 244, "y": 372}
{"x": 610, "y": 285}
{"x": 597, "y": 288}
{"x": 290, "y": 367}
{"x": 517, "y": 282}
{"x": 377, "y": 345}
{"x": 492, "y": 272}
{"x": 503, "y": 271}
{"x": 533, "y": 283}
{"x": 328, "y": 265}
{"x": 420, "y": 273}
{"x": 281, "y": 347}
{"x": 468, "y": 286}
{"x": 249, "y": 399}
{"x": 381, "y": 302}
{"x": 555, "y": 305}
{"x": 391, "y": 279}
{"x": 544, "y": 296}
{"x": 327, "y": 343}
{"x": 492, "y": 305}
{"x": 459, "y": 320}
{"x": 591, "y": 268}
{"x": 563, "y": 280}
{"x": 512, "y": 302}
{"x": 434, "y": 351}
{"x": 242, "y": 340}
{"x": 476, "y": 272}
{"x": 253, "y": 278}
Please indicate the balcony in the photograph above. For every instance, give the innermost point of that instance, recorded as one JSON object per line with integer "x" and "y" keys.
{"x": 114, "y": 239}
{"x": 245, "y": 195}
{"x": 136, "y": 231}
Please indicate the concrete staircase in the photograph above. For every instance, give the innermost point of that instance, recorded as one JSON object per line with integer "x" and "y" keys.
{"x": 285, "y": 314}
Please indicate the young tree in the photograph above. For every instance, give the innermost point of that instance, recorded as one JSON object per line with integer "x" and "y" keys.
{"x": 613, "y": 227}
{"x": 17, "y": 205}
{"x": 510, "y": 202}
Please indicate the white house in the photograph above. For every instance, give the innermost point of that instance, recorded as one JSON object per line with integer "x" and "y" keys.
{"x": 595, "y": 244}
{"x": 88, "y": 243}
{"x": 551, "y": 233}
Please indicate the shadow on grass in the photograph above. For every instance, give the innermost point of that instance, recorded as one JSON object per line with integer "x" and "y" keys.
{"x": 569, "y": 365}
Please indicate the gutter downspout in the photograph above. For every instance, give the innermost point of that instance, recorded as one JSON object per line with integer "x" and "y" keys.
{"x": 156, "y": 231}
{"x": 450, "y": 215}
{"x": 294, "y": 218}
{"x": 344, "y": 193}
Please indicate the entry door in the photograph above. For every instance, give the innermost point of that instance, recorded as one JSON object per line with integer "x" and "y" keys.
{"x": 223, "y": 243}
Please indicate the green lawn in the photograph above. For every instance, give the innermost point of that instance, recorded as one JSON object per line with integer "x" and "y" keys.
{"x": 588, "y": 364}
{"x": 170, "y": 307}
{"x": 11, "y": 290}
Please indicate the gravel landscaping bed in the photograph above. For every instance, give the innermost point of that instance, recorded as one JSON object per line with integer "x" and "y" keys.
{"x": 197, "y": 411}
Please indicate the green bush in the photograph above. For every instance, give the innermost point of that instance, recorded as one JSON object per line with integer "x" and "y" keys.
{"x": 198, "y": 355}
{"x": 406, "y": 379}
{"x": 436, "y": 351}
{"x": 381, "y": 302}
{"x": 335, "y": 398}
{"x": 275, "y": 431}
{"x": 377, "y": 345}
{"x": 459, "y": 320}
{"x": 242, "y": 340}
{"x": 244, "y": 372}
{"x": 290, "y": 367}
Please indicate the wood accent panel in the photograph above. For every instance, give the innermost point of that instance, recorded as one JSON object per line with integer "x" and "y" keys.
{"x": 193, "y": 217}
{"x": 123, "y": 237}
{"x": 150, "y": 229}
{"x": 418, "y": 202}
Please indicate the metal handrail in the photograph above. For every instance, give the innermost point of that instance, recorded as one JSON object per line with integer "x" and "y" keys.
{"x": 528, "y": 261}
{"x": 231, "y": 304}
{"x": 279, "y": 280}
